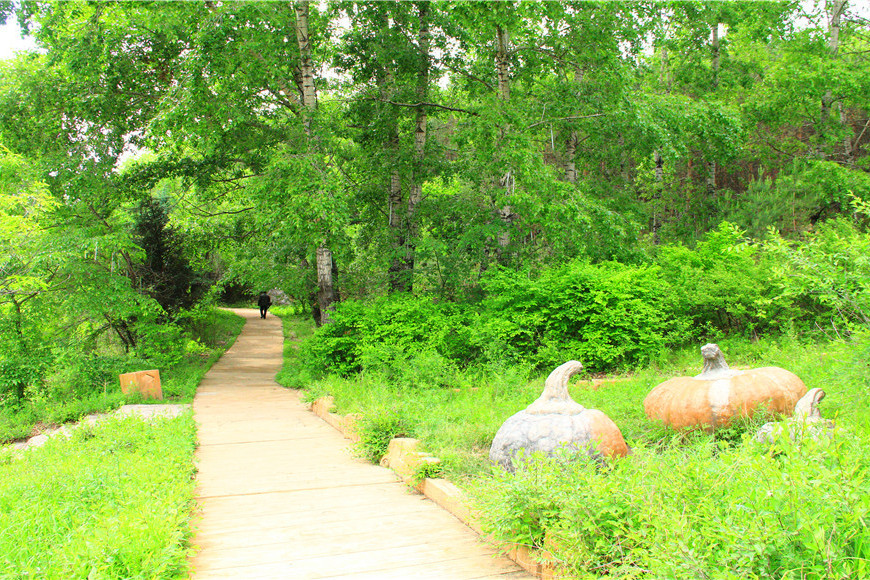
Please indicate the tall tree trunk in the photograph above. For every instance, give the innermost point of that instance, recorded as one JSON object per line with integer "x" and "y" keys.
{"x": 657, "y": 196}
{"x": 714, "y": 66}
{"x": 325, "y": 289}
{"x": 415, "y": 189}
{"x": 572, "y": 141}
{"x": 837, "y": 7}
{"x": 623, "y": 162}
{"x": 502, "y": 63}
{"x": 306, "y": 64}
{"x": 397, "y": 274}
{"x": 397, "y": 278}
{"x": 570, "y": 153}
{"x": 715, "y": 55}
{"x": 664, "y": 71}
{"x": 504, "y": 94}
{"x": 837, "y": 10}
{"x": 665, "y": 81}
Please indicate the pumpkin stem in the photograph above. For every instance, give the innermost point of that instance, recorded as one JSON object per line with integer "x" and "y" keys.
{"x": 715, "y": 366}
{"x": 807, "y": 408}
{"x": 555, "y": 398}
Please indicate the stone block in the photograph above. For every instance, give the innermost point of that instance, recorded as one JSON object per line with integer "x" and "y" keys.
{"x": 451, "y": 498}
{"x": 403, "y": 456}
{"x": 146, "y": 383}
{"x": 321, "y": 406}
{"x": 349, "y": 428}
{"x": 526, "y": 559}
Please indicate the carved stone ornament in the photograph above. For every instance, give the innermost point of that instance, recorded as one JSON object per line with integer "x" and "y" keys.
{"x": 555, "y": 421}
{"x": 807, "y": 421}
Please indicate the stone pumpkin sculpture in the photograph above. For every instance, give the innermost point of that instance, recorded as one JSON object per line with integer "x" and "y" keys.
{"x": 556, "y": 421}
{"x": 712, "y": 398}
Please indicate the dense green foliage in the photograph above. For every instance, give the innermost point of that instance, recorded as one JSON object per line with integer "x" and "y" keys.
{"x": 415, "y": 146}
{"x": 610, "y": 315}
{"x": 488, "y": 189}
{"x": 112, "y": 501}
{"x": 702, "y": 511}
{"x": 77, "y": 384}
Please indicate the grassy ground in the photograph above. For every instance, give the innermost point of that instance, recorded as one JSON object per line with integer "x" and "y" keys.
{"x": 216, "y": 333}
{"x": 684, "y": 505}
{"x": 113, "y": 501}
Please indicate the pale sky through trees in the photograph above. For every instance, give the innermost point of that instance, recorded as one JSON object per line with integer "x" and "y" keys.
{"x": 11, "y": 41}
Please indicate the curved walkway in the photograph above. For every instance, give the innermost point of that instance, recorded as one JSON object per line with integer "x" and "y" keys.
{"x": 280, "y": 496}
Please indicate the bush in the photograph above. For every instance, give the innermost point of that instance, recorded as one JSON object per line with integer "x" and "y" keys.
{"x": 802, "y": 196}
{"x": 385, "y": 333}
{"x": 607, "y": 315}
{"x": 377, "y": 428}
{"x": 826, "y": 277}
{"x": 719, "y": 287}
{"x": 694, "y": 512}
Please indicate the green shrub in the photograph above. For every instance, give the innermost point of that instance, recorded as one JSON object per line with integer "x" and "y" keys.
{"x": 802, "y": 196}
{"x": 826, "y": 277}
{"x": 720, "y": 287}
{"x": 606, "y": 315}
{"x": 377, "y": 428}
{"x": 694, "y": 512}
{"x": 386, "y": 332}
{"x": 73, "y": 383}
{"x": 610, "y": 316}
{"x": 82, "y": 375}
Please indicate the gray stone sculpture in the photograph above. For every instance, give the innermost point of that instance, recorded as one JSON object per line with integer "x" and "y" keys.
{"x": 555, "y": 421}
{"x": 806, "y": 422}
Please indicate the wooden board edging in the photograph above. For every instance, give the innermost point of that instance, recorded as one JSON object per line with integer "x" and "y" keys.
{"x": 446, "y": 495}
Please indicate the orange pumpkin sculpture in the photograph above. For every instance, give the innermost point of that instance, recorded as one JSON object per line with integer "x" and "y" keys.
{"x": 712, "y": 398}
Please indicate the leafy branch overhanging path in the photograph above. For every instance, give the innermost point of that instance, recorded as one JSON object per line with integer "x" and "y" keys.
{"x": 280, "y": 496}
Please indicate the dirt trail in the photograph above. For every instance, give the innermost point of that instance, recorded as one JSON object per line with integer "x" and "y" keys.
{"x": 280, "y": 495}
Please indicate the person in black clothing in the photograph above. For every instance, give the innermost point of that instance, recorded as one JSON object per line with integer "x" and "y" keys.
{"x": 264, "y": 303}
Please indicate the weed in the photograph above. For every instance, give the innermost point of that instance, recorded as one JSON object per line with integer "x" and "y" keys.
{"x": 73, "y": 396}
{"x": 428, "y": 469}
{"x": 685, "y": 504}
{"x": 110, "y": 502}
{"x": 377, "y": 429}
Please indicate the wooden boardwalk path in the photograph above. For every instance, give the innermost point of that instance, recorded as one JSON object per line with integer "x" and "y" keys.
{"x": 280, "y": 496}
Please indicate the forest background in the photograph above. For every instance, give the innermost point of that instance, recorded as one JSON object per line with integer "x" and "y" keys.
{"x": 459, "y": 184}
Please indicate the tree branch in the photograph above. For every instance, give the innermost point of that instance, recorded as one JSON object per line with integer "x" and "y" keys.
{"x": 568, "y": 118}
{"x": 467, "y": 75}
{"x": 415, "y": 105}
{"x": 203, "y": 213}
{"x": 861, "y": 134}
{"x": 233, "y": 179}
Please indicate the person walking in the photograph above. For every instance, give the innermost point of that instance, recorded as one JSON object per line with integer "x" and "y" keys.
{"x": 264, "y": 303}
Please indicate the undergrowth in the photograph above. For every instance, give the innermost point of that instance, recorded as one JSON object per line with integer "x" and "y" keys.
{"x": 112, "y": 501}
{"x": 683, "y": 505}
{"x": 208, "y": 337}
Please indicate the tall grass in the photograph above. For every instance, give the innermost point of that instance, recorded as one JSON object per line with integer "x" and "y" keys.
{"x": 216, "y": 333}
{"x": 112, "y": 501}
